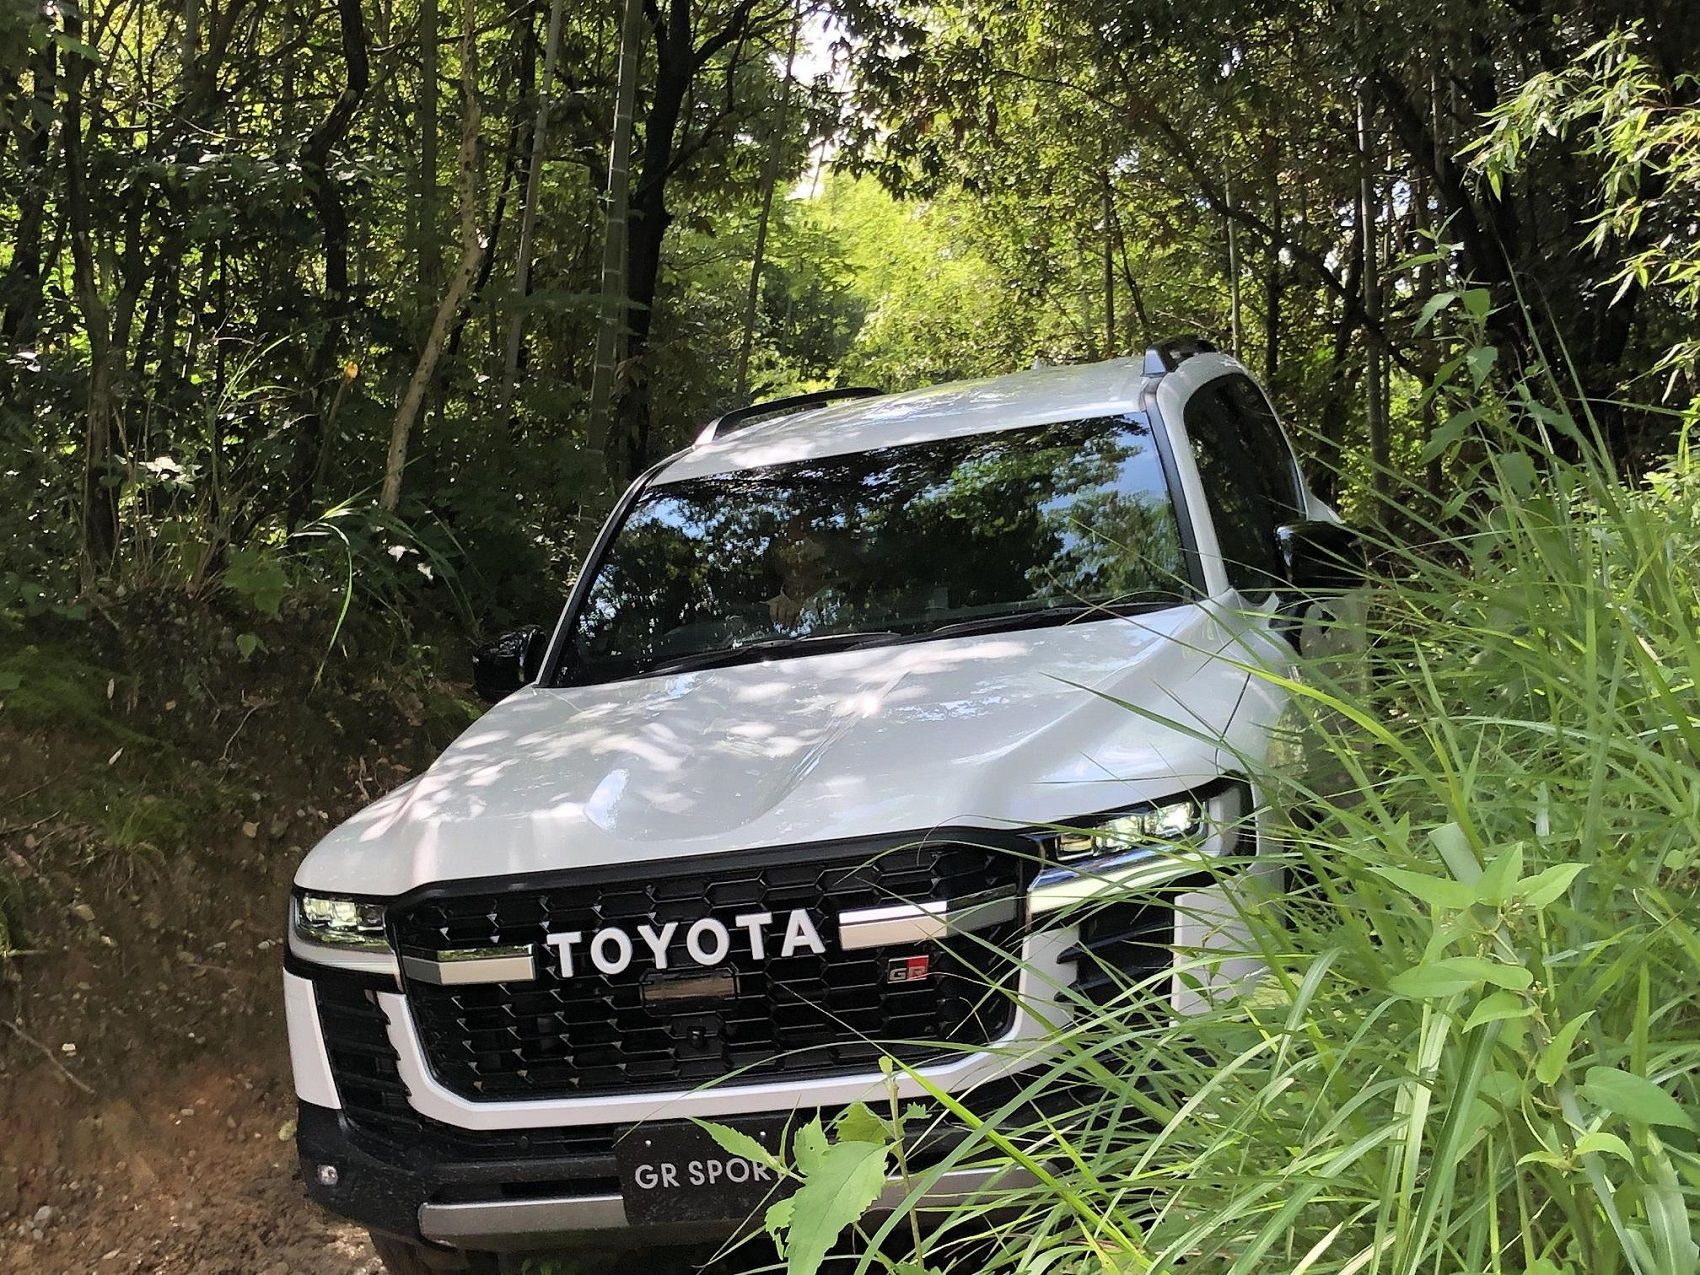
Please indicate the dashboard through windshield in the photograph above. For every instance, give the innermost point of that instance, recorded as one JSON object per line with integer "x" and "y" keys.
{"x": 1052, "y": 523}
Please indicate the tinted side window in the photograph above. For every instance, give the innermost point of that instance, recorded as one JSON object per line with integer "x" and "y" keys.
{"x": 1248, "y": 476}
{"x": 1262, "y": 432}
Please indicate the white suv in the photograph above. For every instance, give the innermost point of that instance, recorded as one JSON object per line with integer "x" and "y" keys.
{"x": 783, "y": 793}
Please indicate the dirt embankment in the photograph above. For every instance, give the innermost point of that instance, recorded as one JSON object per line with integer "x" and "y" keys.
{"x": 148, "y": 833}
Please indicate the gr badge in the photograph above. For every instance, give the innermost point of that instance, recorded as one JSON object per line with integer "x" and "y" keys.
{"x": 908, "y": 969}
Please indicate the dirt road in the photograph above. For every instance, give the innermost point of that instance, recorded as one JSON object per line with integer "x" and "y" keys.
{"x": 198, "y": 1179}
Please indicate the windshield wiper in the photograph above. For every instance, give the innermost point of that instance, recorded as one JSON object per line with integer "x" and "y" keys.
{"x": 821, "y": 643}
{"x": 1041, "y": 618}
{"x": 747, "y": 652}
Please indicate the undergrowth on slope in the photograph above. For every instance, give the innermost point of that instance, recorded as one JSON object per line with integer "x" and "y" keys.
{"x": 145, "y": 729}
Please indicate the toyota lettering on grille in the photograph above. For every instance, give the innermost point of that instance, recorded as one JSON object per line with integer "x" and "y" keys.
{"x": 707, "y": 941}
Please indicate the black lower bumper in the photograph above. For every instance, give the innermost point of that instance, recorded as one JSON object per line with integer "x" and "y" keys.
{"x": 465, "y": 1191}
{"x": 383, "y": 1180}
{"x": 381, "y": 1193}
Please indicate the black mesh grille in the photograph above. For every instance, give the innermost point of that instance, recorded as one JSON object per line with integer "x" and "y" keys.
{"x": 374, "y": 1099}
{"x": 363, "y": 1062}
{"x": 796, "y": 1015}
{"x": 1122, "y": 946}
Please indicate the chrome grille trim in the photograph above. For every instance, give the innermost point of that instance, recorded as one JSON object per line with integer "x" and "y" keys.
{"x": 924, "y": 922}
{"x": 466, "y": 966}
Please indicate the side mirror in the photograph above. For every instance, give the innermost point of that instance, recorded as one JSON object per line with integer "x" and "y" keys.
{"x": 501, "y": 666}
{"x": 1323, "y": 557}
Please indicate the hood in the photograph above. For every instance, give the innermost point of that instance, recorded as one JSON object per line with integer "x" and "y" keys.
{"x": 995, "y": 730}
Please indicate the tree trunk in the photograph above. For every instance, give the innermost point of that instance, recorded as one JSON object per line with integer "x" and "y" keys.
{"x": 528, "y": 218}
{"x": 471, "y": 250}
{"x": 100, "y": 488}
{"x": 1110, "y": 347}
{"x": 1483, "y": 222}
{"x": 20, "y": 290}
{"x": 191, "y": 31}
{"x": 1135, "y": 293}
{"x": 770, "y": 179}
{"x": 678, "y": 60}
{"x": 1233, "y": 268}
{"x": 316, "y": 154}
{"x": 1380, "y": 457}
{"x": 615, "y": 233}
{"x": 310, "y": 436}
{"x": 426, "y": 249}
{"x": 518, "y": 140}
{"x": 1330, "y": 443}
{"x": 1274, "y": 287}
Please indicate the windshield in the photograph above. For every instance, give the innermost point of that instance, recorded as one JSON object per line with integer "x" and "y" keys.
{"x": 893, "y": 544}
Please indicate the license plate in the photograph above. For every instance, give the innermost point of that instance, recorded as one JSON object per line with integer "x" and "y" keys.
{"x": 675, "y": 1172}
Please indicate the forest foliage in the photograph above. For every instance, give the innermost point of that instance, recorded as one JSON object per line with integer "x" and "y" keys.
{"x": 294, "y": 292}
{"x": 348, "y": 319}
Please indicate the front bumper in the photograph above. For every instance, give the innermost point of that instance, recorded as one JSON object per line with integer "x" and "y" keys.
{"x": 592, "y": 1221}
{"x": 534, "y": 1203}
{"x": 415, "y": 1160}
{"x": 380, "y": 1144}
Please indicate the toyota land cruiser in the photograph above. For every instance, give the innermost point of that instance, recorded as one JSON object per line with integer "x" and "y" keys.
{"x": 853, "y": 703}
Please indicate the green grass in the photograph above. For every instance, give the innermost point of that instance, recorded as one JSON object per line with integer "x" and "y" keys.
{"x": 1477, "y": 1045}
{"x": 124, "y": 822}
{"x": 50, "y": 687}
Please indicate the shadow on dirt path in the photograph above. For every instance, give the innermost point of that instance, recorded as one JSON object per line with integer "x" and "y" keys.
{"x": 197, "y": 1181}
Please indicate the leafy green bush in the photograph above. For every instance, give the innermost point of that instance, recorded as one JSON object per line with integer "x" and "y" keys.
{"x": 1477, "y": 1043}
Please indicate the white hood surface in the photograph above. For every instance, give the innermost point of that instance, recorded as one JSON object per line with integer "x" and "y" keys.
{"x": 996, "y": 730}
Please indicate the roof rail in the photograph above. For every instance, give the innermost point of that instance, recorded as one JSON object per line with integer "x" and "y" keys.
{"x": 743, "y": 417}
{"x": 1166, "y": 356}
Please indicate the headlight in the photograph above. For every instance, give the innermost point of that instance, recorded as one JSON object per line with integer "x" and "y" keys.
{"x": 1174, "y": 822}
{"x": 345, "y": 923}
{"x": 1113, "y": 856}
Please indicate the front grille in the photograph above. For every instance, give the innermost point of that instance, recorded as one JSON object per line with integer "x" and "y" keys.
{"x": 799, "y": 1015}
{"x": 374, "y": 1098}
{"x": 363, "y": 1062}
{"x": 1123, "y": 950}
{"x": 571, "y": 1159}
